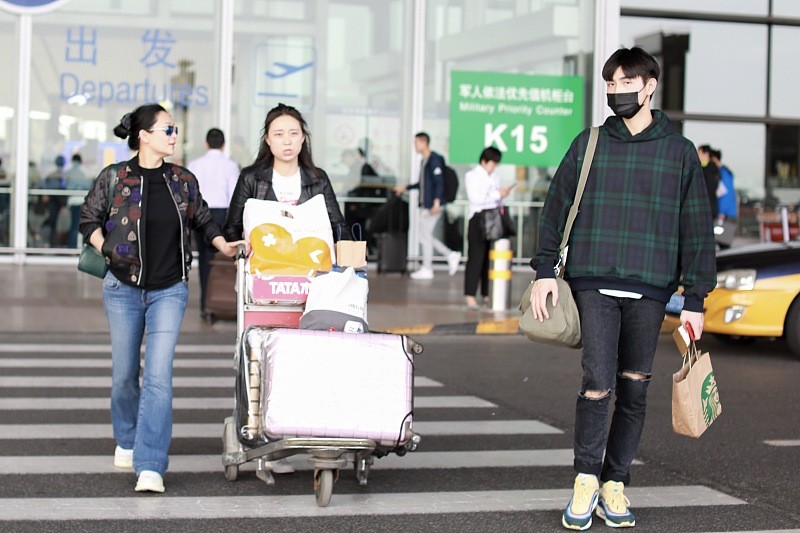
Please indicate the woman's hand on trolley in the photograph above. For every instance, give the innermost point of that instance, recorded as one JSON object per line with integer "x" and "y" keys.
{"x": 230, "y": 249}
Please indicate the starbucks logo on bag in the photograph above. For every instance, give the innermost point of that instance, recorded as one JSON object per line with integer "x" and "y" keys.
{"x": 709, "y": 399}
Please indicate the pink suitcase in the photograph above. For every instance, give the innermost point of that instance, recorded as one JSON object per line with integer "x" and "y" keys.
{"x": 335, "y": 384}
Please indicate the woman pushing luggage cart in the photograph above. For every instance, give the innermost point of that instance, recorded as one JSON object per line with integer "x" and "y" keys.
{"x": 337, "y": 398}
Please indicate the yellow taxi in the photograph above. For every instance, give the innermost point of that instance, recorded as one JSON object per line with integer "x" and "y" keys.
{"x": 756, "y": 294}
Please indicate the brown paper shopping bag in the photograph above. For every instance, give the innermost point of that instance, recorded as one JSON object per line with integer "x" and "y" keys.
{"x": 352, "y": 253}
{"x": 695, "y": 397}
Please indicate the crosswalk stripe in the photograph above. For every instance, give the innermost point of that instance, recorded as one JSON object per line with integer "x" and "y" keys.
{"x": 105, "y": 382}
{"x": 782, "y": 443}
{"x": 106, "y": 348}
{"x": 274, "y": 506}
{"x": 67, "y": 404}
{"x": 206, "y": 431}
{"x": 51, "y": 362}
{"x": 27, "y": 509}
{"x": 103, "y": 464}
{"x": 485, "y": 427}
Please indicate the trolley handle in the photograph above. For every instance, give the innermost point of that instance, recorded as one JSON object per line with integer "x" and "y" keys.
{"x": 241, "y": 250}
{"x": 241, "y": 289}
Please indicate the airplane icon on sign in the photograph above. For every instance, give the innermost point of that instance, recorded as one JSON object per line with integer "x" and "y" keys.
{"x": 287, "y": 69}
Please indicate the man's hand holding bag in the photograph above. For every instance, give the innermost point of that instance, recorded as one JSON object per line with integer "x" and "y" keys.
{"x": 695, "y": 397}
{"x": 561, "y": 324}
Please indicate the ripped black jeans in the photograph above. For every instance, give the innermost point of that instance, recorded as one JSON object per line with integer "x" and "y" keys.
{"x": 619, "y": 337}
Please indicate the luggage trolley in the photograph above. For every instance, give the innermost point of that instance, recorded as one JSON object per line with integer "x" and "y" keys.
{"x": 244, "y": 436}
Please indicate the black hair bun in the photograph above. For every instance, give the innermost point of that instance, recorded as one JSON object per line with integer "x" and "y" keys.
{"x": 123, "y": 129}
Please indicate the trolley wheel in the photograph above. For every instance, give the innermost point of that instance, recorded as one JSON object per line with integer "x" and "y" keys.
{"x": 323, "y": 487}
{"x": 415, "y": 347}
{"x": 231, "y": 472}
{"x": 361, "y": 467}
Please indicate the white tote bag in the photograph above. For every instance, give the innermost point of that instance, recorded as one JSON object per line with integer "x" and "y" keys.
{"x": 337, "y": 301}
{"x": 292, "y": 240}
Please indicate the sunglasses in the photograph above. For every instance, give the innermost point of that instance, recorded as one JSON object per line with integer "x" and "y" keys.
{"x": 169, "y": 130}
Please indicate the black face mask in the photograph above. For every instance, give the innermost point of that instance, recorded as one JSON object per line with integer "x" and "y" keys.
{"x": 625, "y": 105}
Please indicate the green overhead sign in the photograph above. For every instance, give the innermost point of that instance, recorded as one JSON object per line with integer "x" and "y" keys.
{"x": 531, "y": 119}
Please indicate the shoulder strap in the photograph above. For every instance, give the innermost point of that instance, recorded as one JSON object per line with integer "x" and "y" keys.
{"x": 587, "y": 164}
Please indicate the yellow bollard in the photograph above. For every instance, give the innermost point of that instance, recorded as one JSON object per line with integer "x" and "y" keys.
{"x": 500, "y": 274}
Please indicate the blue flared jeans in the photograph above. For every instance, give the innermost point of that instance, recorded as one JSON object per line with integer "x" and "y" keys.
{"x": 142, "y": 414}
{"x": 619, "y": 336}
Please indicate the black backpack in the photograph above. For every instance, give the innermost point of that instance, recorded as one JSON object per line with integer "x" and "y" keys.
{"x": 450, "y": 184}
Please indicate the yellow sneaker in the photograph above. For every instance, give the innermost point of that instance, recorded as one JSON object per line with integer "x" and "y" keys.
{"x": 578, "y": 514}
{"x": 613, "y": 505}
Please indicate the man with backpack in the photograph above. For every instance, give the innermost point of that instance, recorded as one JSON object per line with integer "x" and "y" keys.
{"x": 432, "y": 199}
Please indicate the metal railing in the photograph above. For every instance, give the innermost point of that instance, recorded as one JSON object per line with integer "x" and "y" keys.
{"x": 524, "y": 213}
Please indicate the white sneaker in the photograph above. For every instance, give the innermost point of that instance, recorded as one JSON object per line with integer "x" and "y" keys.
{"x": 453, "y": 260}
{"x": 123, "y": 458}
{"x": 281, "y": 466}
{"x": 422, "y": 274}
{"x": 149, "y": 481}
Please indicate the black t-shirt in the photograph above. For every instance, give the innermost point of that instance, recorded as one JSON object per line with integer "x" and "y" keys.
{"x": 162, "y": 232}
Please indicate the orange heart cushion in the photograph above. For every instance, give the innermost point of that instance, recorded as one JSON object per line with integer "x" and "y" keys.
{"x": 276, "y": 252}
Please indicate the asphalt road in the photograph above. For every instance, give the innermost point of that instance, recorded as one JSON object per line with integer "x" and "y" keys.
{"x": 496, "y": 455}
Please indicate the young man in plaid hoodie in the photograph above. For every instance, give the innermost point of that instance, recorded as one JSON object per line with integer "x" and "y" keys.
{"x": 644, "y": 226}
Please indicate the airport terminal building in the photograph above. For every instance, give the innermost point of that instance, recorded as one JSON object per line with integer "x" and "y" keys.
{"x": 368, "y": 74}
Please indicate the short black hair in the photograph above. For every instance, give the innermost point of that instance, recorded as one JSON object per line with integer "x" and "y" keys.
{"x": 76, "y": 158}
{"x": 634, "y": 62}
{"x": 491, "y": 153}
{"x": 705, "y": 148}
{"x": 717, "y": 154}
{"x": 423, "y": 135}
{"x": 215, "y": 138}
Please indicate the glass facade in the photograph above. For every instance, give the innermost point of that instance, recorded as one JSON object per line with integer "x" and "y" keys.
{"x": 549, "y": 37}
{"x": 741, "y": 101}
{"x": 8, "y": 104}
{"x": 349, "y": 65}
{"x": 367, "y": 75}
{"x": 341, "y": 63}
{"x": 87, "y": 72}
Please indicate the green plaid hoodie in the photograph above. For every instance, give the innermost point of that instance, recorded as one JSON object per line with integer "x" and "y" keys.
{"x": 644, "y": 223}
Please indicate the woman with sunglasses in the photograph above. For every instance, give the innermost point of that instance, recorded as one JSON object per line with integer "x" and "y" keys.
{"x": 140, "y": 214}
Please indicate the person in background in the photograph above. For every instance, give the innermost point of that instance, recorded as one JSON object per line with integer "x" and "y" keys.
{"x": 483, "y": 192}
{"x": 366, "y": 168}
{"x": 644, "y": 226}
{"x": 711, "y": 175}
{"x": 216, "y": 174}
{"x": 144, "y": 232}
{"x": 76, "y": 181}
{"x": 5, "y": 202}
{"x": 727, "y": 205}
{"x": 55, "y": 180}
{"x": 431, "y": 205}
